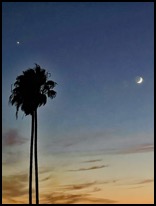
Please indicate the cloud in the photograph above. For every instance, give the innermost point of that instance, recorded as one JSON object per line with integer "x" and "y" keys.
{"x": 14, "y": 185}
{"x": 12, "y": 137}
{"x": 90, "y": 168}
{"x": 46, "y": 178}
{"x": 12, "y": 146}
{"x": 137, "y": 149}
{"x": 96, "y": 189}
{"x": 58, "y": 198}
{"x": 44, "y": 170}
{"x": 135, "y": 187}
{"x": 140, "y": 183}
{"x": 108, "y": 181}
{"x": 145, "y": 181}
{"x": 79, "y": 186}
{"x": 99, "y": 201}
{"x": 88, "y": 184}
{"x": 90, "y": 161}
{"x": 15, "y": 190}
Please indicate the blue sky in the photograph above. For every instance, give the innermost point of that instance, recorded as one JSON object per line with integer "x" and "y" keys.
{"x": 94, "y": 51}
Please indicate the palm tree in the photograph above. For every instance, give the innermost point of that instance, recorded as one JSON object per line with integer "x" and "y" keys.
{"x": 31, "y": 91}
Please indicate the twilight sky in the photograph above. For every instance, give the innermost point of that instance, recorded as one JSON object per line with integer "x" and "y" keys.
{"x": 96, "y": 138}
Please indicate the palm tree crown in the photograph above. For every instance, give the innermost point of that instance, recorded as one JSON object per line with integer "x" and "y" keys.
{"x": 31, "y": 90}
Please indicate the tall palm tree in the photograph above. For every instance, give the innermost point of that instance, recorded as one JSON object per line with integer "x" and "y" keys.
{"x": 31, "y": 91}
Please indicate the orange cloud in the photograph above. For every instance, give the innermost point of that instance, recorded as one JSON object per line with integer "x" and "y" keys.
{"x": 96, "y": 189}
{"x": 14, "y": 185}
{"x": 15, "y": 190}
{"x": 58, "y": 198}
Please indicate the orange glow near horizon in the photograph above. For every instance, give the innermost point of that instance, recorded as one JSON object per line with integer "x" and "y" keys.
{"x": 83, "y": 182}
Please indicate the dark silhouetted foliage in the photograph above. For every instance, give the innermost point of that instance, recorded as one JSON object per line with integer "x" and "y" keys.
{"x": 31, "y": 90}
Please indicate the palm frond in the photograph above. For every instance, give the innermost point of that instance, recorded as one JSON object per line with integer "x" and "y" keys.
{"x": 51, "y": 94}
{"x": 42, "y": 99}
{"x": 51, "y": 84}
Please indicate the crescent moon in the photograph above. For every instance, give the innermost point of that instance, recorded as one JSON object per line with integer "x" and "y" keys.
{"x": 140, "y": 80}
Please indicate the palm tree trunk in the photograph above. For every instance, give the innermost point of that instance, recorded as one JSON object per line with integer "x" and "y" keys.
{"x": 36, "y": 161}
{"x": 31, "y": 160}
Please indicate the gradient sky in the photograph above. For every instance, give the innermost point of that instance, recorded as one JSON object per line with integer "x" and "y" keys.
{"x": 96, "y": 138}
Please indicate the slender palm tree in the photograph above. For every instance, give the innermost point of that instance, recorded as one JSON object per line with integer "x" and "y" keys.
{"x": 31, "y": 91}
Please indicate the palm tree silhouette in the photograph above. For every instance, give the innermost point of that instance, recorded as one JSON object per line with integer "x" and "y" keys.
{"x": 31, "y": 91}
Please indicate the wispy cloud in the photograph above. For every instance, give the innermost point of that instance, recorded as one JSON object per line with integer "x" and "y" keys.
{"x": 88, "y": 184}
{"x": 12, "y": 137}
{"x": 109, "y": 181}
{"x": 79, "y": 186}
{"x": 137, "y": 149}
{"x": 99, "y": 201}
{"x": 14, "y": 185}
{"x": 145, "y": 181}
{"x": 89, "y": 168}
{"x": 135, "y": 187}
{"x": 96, "y": 189}
{"x": 90, "y": 161}
{"x": 46, "y": 178}
{"x": 140, "y": 183}
{"x": 12, "y": 146}
{"x": 57, "y": 198}
{"x": 15, "y": 190}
